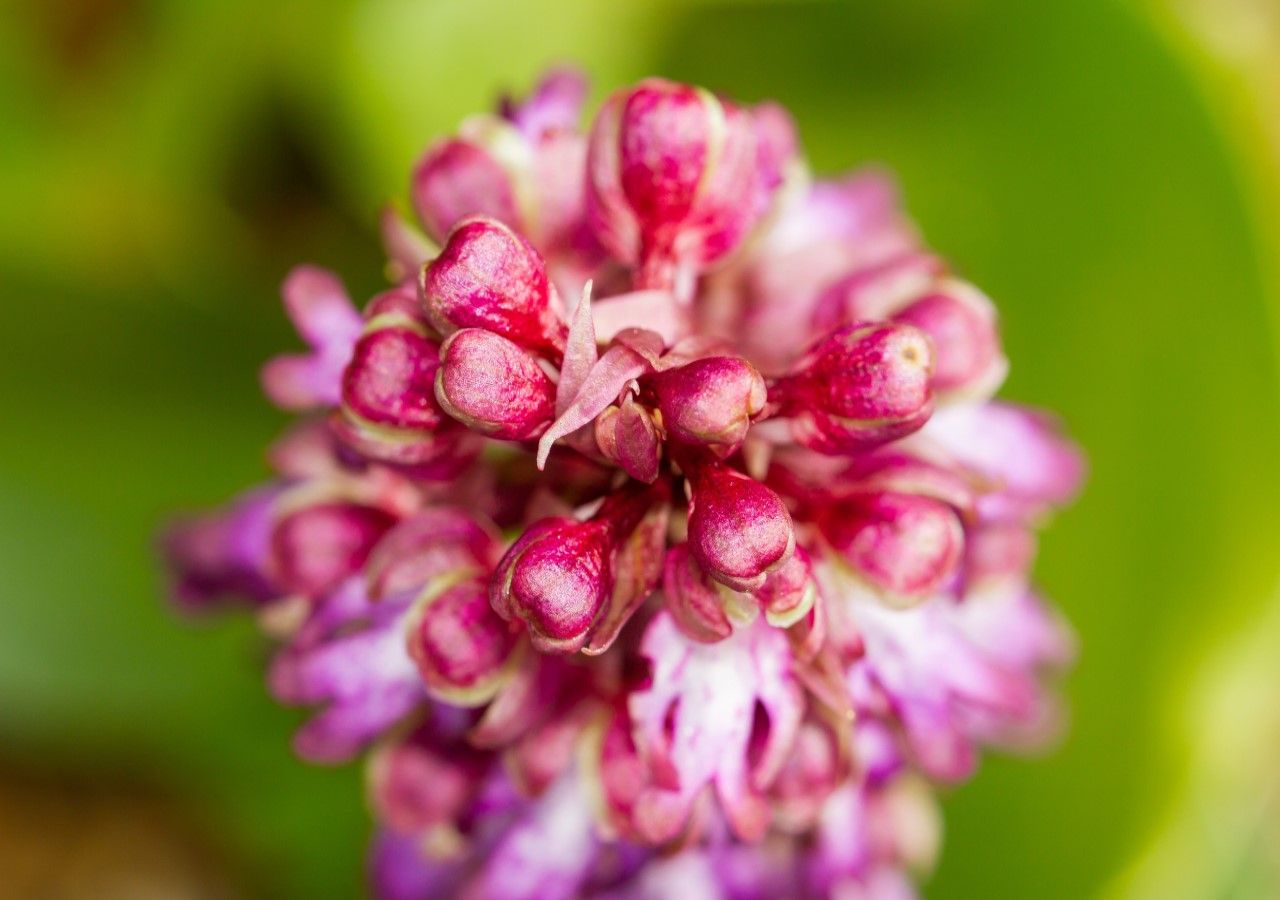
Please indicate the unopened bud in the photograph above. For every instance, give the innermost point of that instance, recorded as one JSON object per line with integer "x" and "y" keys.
{"x": 710, "y": 401}
{"x": 390, "y": 381}
{"x": 556, "y": 578}
{"x": 487, "y": 276}
{"x": 467, "y": 176}
{"x": 459, "y": 643}
{"x": 739, "y": 530}
{"x": 627, "y": 435}
{"x": 438, "y": 542}
{"x": 316, "y": 547}
{"x": 674, "y": 176}
{"x": 788, "y": 594}
{"x": 966, "y": 343}
{"x": 494, "y": 386}
{"x": 863, "y": 385}
{"x": 905, "y": 545}
{"x": 389, "y": 411}
{"x": 702, "y": 608}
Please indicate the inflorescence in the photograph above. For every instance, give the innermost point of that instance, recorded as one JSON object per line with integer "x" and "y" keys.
{"x": 654, "y": 534}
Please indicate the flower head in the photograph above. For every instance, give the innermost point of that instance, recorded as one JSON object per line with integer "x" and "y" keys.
{"x": 654, "y": 532}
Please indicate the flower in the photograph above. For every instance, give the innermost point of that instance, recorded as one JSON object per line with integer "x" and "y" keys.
{"x": 655, "y": 533}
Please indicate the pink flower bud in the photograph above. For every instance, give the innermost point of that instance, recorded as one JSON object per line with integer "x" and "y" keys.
{"x": 709, "y": 401}
{"x": 389, "y": 411}
{"x": 862, "y": 385}
{"x": 556, "y": 578}
{"x": 700, "y": 607}
{"x": 421, "y": 782}
{"x": 457, "y": 178}
{"x": 739, "y": 530}
{"x": 912, "y": 288}
{"x": 560, "y": 574}
{"x": 538, "y": 758}
{"x": 487, "y": 276}
{"x": 316, "y": 547}
{"x": 390, "y": 380}
{"x": 627, "y": 435}
{"x": 788, "y": 594}
{"x": 523, "y": 168}
{"x": 673, "y": 177}
{"x": 962, "y": 323}
{"x": 461, "y": 647}
{"x": 902, "y": 544}
{"x": 436, "y": 543}
{"x": 494, "y": 386}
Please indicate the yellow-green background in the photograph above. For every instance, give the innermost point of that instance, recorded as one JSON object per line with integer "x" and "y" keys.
{"x": 1106, "y": 170}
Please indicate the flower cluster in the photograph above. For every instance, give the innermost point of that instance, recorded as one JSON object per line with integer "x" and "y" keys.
{"x": 654, "y": 534}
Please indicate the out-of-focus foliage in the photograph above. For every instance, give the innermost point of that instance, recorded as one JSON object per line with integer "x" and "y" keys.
{"x": 164, "y": 163}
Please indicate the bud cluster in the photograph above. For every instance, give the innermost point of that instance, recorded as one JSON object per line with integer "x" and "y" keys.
{"x": 654, "y": 531}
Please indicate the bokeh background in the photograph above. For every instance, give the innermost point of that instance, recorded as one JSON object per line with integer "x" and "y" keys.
{"x": 1109, "y": 171}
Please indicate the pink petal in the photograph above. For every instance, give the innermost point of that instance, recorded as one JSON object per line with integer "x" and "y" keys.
{"x": 658, "y": 311}
{"x": 407, "y": 248}
{"x": 580, "y": 353}
{"x": 319, "y": 307}
{"x": 298, "y": 382}
{"x": 555, "y": 104}
{"x": 601, "y": 387}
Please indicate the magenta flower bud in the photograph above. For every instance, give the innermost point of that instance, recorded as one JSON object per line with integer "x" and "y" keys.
{"x": 457, "y": 178}
{"x": 494, "y": 386}
{"x": 701, "y": 607}
{"x": 487, "y": 276}
{"x": 862, "y": 385}
{"x": 710, "y": 401}
{"x": 673, "y": 177}
{"x": 788, "y": 594}
{"x": 560, "y": 574}
{"x": 556, "y": 578}
{"x": 872, "y": 293}
{"x": 422, "y": 782}
{"x": 389, "y": 411}
{"x": 628, "y": 436}
{"x": 316, "y": 547}
{"x": 966, "y": 343}
{"x": 460, "y": 645}
{"x": 390, "y": 381}
{"x": 436, "y": 543}
{"x": 904, "y": 545}
{"x": 739, "y": 530}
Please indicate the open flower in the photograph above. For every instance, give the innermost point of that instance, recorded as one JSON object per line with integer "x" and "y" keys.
{"x": 654, "y": 532}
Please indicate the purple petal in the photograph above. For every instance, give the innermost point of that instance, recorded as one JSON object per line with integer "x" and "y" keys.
{"x": 555, "y": 104}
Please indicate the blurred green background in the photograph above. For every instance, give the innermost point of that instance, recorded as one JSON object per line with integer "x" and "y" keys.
{"x": 1106, "y": 170}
